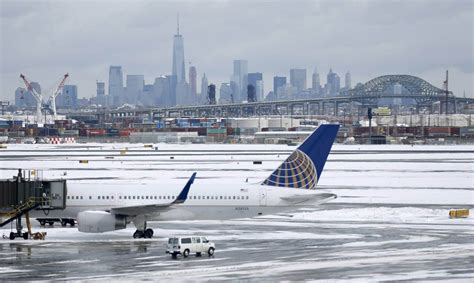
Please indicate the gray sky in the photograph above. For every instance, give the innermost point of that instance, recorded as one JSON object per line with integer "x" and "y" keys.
{"x": 46, "y": 39}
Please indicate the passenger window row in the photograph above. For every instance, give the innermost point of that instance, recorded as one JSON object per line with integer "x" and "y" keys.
{"x": 166, "y": 197}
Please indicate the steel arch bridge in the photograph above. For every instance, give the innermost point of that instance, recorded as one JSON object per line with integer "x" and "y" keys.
{"x": 418, "y": 89}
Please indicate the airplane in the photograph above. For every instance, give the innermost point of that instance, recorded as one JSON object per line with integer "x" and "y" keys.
{"x": 102, "y": 207}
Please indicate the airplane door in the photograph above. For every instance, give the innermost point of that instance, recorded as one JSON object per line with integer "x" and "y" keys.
{"x": 263, "y": 197}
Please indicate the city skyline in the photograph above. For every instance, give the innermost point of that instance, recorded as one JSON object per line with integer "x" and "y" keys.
{"x": 214, "y": 56}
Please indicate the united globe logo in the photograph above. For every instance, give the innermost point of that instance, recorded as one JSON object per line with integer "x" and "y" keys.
{"x": 297, "y": 171}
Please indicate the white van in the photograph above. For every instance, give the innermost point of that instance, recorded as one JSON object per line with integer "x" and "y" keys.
{"x": 188, "y": 245}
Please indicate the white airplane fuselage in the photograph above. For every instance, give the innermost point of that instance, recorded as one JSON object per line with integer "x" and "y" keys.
{"x": 204, "y": 201}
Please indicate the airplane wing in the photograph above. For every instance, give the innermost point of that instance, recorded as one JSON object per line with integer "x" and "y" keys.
{"x": 309, "y": 198}
{"x": 155, "y": 208}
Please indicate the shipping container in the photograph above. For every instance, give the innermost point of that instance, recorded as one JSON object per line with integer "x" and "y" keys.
{"x": 437, "y": 131}
{"x": 466, "y": 131}
{"x": 216, "y": 131}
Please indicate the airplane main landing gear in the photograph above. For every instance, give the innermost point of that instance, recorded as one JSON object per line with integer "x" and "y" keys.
{"x": 142, "y": 231}
{"x": 147, "y": 234}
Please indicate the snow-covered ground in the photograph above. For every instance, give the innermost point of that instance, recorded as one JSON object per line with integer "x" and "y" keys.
{"x": 389, "y": 222}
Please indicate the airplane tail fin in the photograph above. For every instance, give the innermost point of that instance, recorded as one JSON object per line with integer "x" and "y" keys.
{"x": 302, "y": 169}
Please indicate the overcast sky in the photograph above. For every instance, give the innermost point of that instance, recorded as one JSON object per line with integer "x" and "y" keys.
{"x": 46, "y": 39}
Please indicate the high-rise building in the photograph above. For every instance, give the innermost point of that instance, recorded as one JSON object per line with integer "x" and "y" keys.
{"x": 193, "y": 83}
{"x": 256, "y": 80}
{"x": 278, "y": 82}
{"x": 183, "y": 96}
{"x": 347, "y": 82}
{"x": 286, "y": 92}
{"x": 147, "y": 96}
{"x": 251, "y": 97}
{"x": 259, "y": 90}
{"x": 240, "y": 77}
{"x": 315, "y": 82}
{"x": 162, "y": 91}
{"x": 254, "y": 77}
{"x": 101, "y": 98}
{"x": 100, "y": 89}
{"x": 178, "y": 57}
{"x": 298, "y": 79}
{"x": 333, "y": 83}
{"x": 116, "y": 85}
{"x": 211, "y": 94}
{"x": 24, "y": 98}
{"x": 225, "y": 93}
{"x": 204, "y": 86}
{"x": 134, "y": 88}
{"x": 67, "y": 98}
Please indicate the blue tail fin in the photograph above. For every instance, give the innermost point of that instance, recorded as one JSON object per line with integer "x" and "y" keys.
{"x": 304, "y": 166}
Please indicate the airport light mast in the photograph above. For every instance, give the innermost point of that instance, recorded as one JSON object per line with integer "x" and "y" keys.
{"x": 38, "y": 97}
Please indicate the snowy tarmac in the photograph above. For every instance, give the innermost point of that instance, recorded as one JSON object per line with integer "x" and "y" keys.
{"x": 389, "y": 222}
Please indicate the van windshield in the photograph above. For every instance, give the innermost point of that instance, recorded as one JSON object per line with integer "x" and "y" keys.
{"x": 173, "y": 241}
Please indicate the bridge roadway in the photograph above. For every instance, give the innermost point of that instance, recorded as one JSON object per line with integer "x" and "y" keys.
{"x": 312, "y": 106}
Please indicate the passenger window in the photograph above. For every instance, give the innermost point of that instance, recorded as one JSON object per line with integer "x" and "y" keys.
{"x": 247, "y": 197}
{"x": 146, "y": 197}
{"x": 186, "y": 241}
{"x": 133, "y": 197}
{"x": 234, "y": 197}
{"x": 198, "y": 240}
{"x": 143, "y": 197}
{"x": 81, "y": 197}
{"x": 107, "y": 197}
{"x": 98, "y": 197}
{"x": 90, "y": 197}
{"x": 155, "y": 197}
{"x": 199, "y": 197}
{"x": 221, "y": 197}
{"x": 207, "y": 197}
{"x": 238, "y": 197}
{"x": 112, "y": 197}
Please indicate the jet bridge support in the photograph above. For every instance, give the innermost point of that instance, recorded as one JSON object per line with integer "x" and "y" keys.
{"x": 20, "y": 195}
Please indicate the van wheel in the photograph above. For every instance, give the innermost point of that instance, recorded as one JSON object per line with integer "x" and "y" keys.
{"x": 210, "y": 251}
{"x": 186, "y": 253}
{"x": 198, "y": 254}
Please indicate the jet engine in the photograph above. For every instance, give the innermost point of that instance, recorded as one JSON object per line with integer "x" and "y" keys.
{"x": 100, "y": 221}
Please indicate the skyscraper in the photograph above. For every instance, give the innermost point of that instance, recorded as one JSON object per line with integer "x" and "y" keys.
{"x": 347, "y": 83}
{"x": 333, "y": 83}
{"x": 134, "y": 88}
{"x": 116, "y": 85}
{"x": 162, "y": 91}
{"x": 256, "y": 80}
{"x": 278, "y": 82}
{"x": 316, "y": 83}
{"x": 240, "y": 77}
{"x": 225, "y": 93}
{"x": 254, "y": 77}
{"x": 204, "y": 86}
{"x": 178, "y": 57}
{"x": 298, "y": 79}
{"x": 67, "y": 98}
{"x": 193, "y": 83}
{"x": 101, "y": 98}
{"x": 259, "y": 90}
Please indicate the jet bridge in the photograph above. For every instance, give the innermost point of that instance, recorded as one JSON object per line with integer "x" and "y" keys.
{"x": 20, "y": 195}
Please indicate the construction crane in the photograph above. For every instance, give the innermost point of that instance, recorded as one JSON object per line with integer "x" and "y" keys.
{"x": 38, "y": 97}
{"x": 57, "y": 91}
{"x": 40, "y": 104}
